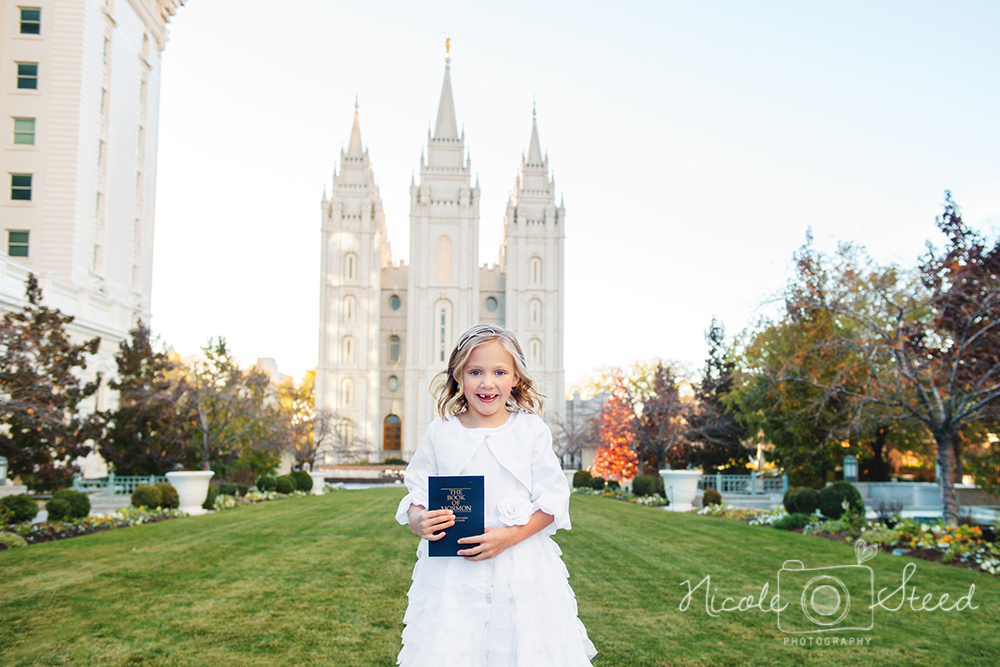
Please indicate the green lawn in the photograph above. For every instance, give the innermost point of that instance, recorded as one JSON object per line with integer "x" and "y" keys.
{"x": 322, "y": 581}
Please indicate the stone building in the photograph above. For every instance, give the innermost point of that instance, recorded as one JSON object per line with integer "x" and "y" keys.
{"x": 386, "y": 328}
{"x": 79, "y": 108}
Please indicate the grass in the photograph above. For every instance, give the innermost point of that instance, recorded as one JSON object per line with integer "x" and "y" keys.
{"x": 322, "y": 581}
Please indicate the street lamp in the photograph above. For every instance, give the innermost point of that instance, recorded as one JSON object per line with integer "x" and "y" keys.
{"x": 850, "y": 468}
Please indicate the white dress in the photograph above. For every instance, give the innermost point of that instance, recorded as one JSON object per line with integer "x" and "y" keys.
{"x": 514, "y": 610}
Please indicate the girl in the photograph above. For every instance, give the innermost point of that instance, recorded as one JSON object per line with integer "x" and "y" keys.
{"x": 507, "y": 602}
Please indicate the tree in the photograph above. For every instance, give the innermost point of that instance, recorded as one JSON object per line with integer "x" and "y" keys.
{"x": 615, "y": 458}
{"x": 151, "y": 430}
{"x": 660, "y": 423}
{"x": 713, "y": 426}
{"x": 42, "y": 432}
{"x": 307, "y": 431}
{"x": 923, "y": 346}
{"x": 230, "y": 406}
{"x": 577, "y": 431}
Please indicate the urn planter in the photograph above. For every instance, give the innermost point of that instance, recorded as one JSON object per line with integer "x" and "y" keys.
{"x": 319, "y": 482}
{"x": 680, "y": 487}
{"x": 192, "y": 488}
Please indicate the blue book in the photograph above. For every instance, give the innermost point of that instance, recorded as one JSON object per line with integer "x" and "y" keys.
{"x": 463, "y": 495}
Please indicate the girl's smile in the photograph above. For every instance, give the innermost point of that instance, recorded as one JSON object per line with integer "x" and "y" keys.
{"x": 487, "y": 380}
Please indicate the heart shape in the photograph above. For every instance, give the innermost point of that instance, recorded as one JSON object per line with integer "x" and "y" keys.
{"x": 864, "y": 552}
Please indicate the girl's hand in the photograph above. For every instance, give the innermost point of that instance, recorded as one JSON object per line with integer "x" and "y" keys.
{"x": 426, "y": 523}
{"x": 491, "y": 544}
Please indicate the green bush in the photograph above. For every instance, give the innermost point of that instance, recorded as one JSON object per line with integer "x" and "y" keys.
{"x": 394, "y": 461}
{"x": 285, "y": 484}
{"x": 265, "y": 483}
{"x": 12, "y": 540}
{"x": 213, "y": 493}
{"x": 227, "y": 489}
{"x": 241, "y": 489}
{"x": 5, "y": 517}
{"x": 59, "y": 509}
{"x": 801, "y": 500}
{"x": 78, "y": 502}
{"x": 597, "y": 483}
{"x": 612, "y": 484}
{"x": 647, "y": 485}
{"x": 581, "y": 479}
{"x": 168, "y": 496}
{"x": 22, "y": 507}
{"x": 792, "y": 522}
{"x": 146, "y": 496}
{"x": 832, "y": 497}
{"x": 711, "y": 497}
{"x": 303, "y": 482}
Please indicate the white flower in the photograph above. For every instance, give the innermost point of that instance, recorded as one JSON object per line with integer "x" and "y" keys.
{"x": 514, "y": 511}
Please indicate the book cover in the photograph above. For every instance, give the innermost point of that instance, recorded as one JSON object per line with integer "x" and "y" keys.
{"x": 463, "y": 495}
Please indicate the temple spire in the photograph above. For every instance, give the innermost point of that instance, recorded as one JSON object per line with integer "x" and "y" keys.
{"x": 354, "y": 148}
{"x": 446, "y": 126}
{"x": 534, "y": 146}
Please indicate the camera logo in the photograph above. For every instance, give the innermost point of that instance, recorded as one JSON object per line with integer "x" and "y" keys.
{"x": 827, "y": 599}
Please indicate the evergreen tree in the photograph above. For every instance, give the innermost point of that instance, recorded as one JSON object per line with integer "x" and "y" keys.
{"x": 151, "y": 430}
{"x": 42, "y": 432}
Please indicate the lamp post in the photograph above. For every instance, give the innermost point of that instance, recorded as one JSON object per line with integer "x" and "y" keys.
{"x": 850, "y": 468}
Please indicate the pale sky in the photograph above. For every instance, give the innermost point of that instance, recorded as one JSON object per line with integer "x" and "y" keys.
{"x": 694, "y": 142}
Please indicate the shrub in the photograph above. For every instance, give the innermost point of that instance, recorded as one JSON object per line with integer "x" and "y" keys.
{"x": 12, "y": 540}
{"x": 59, "y": 509}
{"x": 792, "y": 522}
{"x": 832, "y": 497}
{"x": 393, "y": 461}
{"x": 597, "y": 483}
{"x": 582, "y": 478}
{"x": 146, "y": 496}
{"x": 241, "y": 489}
{"x": 78, "y": 502}
{"x": 5, "y": 517}
{"x": 612, "y": 484}
{"x": 303, "y": 482}
{"x": 22, "y": 507}
{"x": 168, "y": 496}
{"x": 711, "y": 497}
{"x": 265, "y": 483}
{"x": 647, "y": 485}
{"x": 801, "y": 500}
{"x": 213, "y": 493}
{"x": 227, "y": 489}
{"x": 285, "y": 484}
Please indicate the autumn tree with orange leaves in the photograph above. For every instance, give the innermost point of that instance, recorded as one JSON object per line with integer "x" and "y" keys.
{"x": 615, "y": 457}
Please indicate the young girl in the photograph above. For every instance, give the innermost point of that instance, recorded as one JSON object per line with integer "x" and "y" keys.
{"x": 507, "y": 602}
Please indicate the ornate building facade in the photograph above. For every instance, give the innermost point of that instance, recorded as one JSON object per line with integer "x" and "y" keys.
{"x": 79, "y": 113}
{"x": 386, "y": 328}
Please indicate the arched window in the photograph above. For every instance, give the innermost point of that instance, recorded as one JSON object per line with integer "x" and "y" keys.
{"x": 535, "y": 352}
{"x": 535, "y": 271}
{"x": 350, "y": 309}
{"x": 348, "y": 350}
{"x": 394, "y": 349}
{"x": 444, "y": 259}
{"x": 535, "y": 313}
{"x": 347, "y": 392}
{"x": 442, "y": 330}
{"x": 345, "y": 434}
{"x": 350, "y": 267}
{"x": 391, "y": 431}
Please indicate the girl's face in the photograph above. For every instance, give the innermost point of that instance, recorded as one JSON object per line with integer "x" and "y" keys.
{"x": 487, "y": 380}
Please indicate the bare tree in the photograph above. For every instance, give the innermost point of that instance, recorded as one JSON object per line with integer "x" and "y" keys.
{"x": 576, "y": 432}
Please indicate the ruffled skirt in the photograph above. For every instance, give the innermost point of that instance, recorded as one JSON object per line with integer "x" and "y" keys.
{"x": 515, "y": 610}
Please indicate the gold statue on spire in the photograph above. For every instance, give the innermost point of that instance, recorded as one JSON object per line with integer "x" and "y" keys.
{"x": 447, "y": 44}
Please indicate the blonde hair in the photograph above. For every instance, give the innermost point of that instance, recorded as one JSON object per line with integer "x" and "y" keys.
{"x": 447, "y": 388}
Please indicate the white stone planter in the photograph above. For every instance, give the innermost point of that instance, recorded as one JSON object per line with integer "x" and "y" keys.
{"x": 319, "y": 481}
{"x": 680, "y": 487}
{"x": 569, "y": 477}
{"x": 192, "y": 487}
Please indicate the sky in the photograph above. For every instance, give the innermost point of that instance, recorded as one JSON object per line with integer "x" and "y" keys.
{"x": 694, "y": 143}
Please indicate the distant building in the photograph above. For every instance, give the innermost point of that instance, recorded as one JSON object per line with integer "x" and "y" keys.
{"x": 79, "y": 112}
{"x": 387, "y": 328}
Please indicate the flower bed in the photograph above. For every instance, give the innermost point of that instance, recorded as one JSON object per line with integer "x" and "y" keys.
{"x": 619, "y": 494}
{"x": 963, "y": 546}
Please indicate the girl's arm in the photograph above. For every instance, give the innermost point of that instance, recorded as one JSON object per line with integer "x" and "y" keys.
{"x": 497, "y": 539}
{"x": 425, "y": 523}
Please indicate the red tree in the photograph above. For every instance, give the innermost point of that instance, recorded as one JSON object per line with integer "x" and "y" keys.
{"x": 615, "y": 457}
